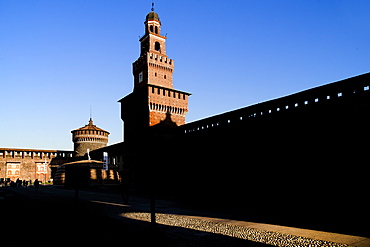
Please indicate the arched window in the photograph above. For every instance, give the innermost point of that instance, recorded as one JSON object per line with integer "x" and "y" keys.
{"x": 156, "y": 29}
{"x": 9, "y": 172}
{"x": 151, "y": 28}
{"x": 157, "y": 46}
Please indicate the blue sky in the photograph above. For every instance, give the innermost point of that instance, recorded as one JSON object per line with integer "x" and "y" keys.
{"x": 58, "y": 57}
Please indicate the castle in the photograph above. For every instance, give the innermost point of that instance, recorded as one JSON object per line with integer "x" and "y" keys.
{"x": 299, "y": 154}
{"x": 31, "y": 164}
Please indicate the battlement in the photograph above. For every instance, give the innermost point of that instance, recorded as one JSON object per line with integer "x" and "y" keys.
{"x": 16, "y": 153}
{"x": 159, "y": 104}
{"x": 355, "y": 90}
{"x": 168, "y": 92}
{"x": 154, "y": 60}
{"x": 161, "y": 58}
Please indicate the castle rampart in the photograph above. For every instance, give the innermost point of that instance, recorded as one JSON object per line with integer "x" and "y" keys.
{"x": 29, "y": 164}
{"x": 352, "y": 90}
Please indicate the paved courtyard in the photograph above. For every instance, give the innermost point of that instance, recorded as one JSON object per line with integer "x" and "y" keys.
{"x": 52, "y": 216}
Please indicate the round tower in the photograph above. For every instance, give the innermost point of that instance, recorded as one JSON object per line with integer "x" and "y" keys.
{"x": 88, "y": 137}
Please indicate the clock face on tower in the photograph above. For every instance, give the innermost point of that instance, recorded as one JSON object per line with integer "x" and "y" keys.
{"x": 140, "y": 76}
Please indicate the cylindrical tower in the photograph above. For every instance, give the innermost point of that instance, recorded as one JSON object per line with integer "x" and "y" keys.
{"x": 88, "y": 137}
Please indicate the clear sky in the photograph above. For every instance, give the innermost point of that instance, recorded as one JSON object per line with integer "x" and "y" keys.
{"x": 58, "y": 57}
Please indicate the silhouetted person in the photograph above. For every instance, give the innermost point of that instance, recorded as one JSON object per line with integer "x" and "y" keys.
{"x": 36, "y": 184}
{"x": 123, "y": 188}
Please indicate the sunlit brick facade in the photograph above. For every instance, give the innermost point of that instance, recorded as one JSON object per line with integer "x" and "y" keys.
{"x": 30, "y": 164}
{"x": 154, "y": 97}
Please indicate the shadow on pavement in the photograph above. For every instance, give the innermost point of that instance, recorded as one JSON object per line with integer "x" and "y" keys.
{"x": 32, "y": 221}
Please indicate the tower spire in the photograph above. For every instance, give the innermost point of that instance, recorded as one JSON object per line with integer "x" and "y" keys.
{"x": 90, "y": 112}
{"x": 152, "y": 6}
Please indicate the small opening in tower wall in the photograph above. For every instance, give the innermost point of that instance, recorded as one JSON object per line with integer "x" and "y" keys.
{"x": 151, "y": 28}
{"x": 157, "y": 46}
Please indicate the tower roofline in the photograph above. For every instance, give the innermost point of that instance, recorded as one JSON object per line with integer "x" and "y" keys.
{"x": 90, "y": 126}
{"x": 171, "y": 89}
{"x": 152, "y": 16}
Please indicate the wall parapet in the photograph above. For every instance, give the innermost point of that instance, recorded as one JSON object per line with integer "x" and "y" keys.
{"x": 357, "y": 88}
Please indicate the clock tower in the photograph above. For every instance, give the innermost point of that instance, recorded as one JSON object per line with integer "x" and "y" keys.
{"x": 154, "y": 98}
{"x": 153, "y": 67}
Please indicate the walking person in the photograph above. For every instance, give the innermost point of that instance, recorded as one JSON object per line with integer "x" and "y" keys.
{"x": 36, "y": 184}
{"x": 124, "y": 189}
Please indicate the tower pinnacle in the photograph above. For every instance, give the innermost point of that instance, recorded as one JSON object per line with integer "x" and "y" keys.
{"x": 154, "y": 98}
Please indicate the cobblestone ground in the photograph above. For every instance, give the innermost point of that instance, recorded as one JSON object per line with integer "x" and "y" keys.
{"x": 257, "y": 235}
{"x": 34, "y": 220}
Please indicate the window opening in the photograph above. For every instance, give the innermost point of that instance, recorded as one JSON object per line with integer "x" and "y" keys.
{"x": 157, "y": 46}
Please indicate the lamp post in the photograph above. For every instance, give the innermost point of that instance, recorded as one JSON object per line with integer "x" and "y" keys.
{"x": 45, "y": 170}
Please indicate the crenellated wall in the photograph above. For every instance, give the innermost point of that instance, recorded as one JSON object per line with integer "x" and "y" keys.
{"x": 30, "y": 164}
{"x": 302, "y": 154}
{"x": 162, "y": 101}
{"x": 350, "y": 92}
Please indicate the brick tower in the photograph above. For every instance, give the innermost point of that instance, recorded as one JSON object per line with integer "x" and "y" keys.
{"x": 88, "y": 137}
{"x": 154, "y": 98}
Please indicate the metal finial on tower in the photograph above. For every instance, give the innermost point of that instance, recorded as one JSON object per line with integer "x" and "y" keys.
{"x": 90, "y": 112}
{"x": 152, "y": 6}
